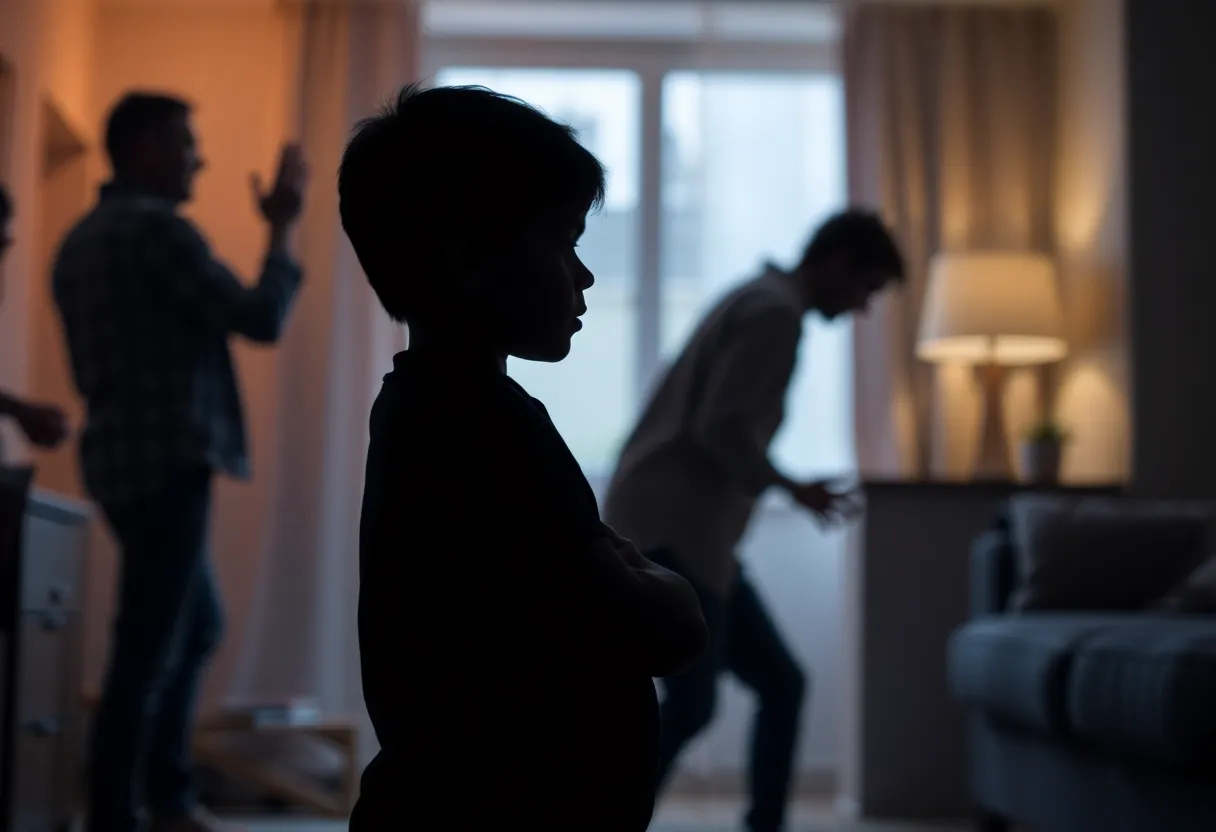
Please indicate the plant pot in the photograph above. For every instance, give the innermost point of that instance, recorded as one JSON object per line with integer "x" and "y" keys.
{"x": 1040, "y": 460}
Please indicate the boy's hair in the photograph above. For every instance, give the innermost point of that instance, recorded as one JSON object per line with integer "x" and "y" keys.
{"x": 862, "y": 237}
{"x": 135, "y": 114}
{"x": 443, "y": 177}
{"x": 6, "y": 204}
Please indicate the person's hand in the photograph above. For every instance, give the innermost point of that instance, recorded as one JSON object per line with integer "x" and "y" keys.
{"x": 281, "y": 205}
{"x": 828, "y": 505}
{"x": 44, "y": 425}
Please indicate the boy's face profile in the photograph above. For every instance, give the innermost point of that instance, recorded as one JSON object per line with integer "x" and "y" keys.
{"x": 538, "y": 287}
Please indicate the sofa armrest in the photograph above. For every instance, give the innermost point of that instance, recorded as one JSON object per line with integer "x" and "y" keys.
{"x": 993, "y": 572}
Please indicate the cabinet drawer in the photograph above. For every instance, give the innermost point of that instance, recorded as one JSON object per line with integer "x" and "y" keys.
{"x": 47, "y": 675}
{"x": 52, "y": 565}
{"x": 46, "y": 771}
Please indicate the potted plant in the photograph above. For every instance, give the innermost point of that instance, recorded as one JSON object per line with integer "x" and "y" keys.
{"x": 1042, "y": 451}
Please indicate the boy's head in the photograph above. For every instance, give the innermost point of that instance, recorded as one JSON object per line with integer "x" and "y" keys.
{"x": 6, "y": 217}
{"x": 464, "y": 207}
{"x": 851, "y": 258}
{"x": 151, "y": 142}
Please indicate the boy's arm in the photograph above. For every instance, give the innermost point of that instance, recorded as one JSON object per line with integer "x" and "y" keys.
{"x": 649, "y": 615}
{"x": 556, "y": 575}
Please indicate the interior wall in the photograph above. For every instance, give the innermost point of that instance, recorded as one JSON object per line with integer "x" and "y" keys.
{"x": 49, "y": 46}
{"x": 65, "y": 192}
{"x": 20, "y": 25}
{"x": 230, "y": 61}
{"x": 67, "y": 60}
{"x": 1172, "y": 174}
{"x": 1092, "y": 400}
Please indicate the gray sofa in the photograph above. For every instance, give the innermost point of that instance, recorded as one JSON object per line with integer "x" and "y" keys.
{"x": 1083, "y": 721}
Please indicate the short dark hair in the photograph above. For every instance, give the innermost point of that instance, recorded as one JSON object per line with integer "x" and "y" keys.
{"x": 6, "y": 203}
{"x": 862, "y": 237}
{"x": 135, "y": 114}
{"x": 452, "y": 166}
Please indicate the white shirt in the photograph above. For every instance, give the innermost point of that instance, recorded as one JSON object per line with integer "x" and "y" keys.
{"x": 691, "y": 472}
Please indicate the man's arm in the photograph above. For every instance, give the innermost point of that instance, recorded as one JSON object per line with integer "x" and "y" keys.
{"x": 207, "y": 292}
{"x": 747, "y": 382}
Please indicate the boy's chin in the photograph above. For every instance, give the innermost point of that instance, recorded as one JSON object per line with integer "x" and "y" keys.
{"x": 550, "y": 352}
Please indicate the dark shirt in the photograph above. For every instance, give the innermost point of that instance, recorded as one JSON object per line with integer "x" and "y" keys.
{"x": 148, "y": 311}
{"x": 491, "y": 683}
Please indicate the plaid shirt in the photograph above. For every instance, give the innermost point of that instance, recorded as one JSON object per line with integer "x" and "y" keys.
{"x": 147, "y": 311}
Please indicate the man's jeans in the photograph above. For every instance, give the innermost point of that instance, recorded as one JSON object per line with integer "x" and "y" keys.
{"x": 743, "y": 640}
{"x": 168, "y": 622}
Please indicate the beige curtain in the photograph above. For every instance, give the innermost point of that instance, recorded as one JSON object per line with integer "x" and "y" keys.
{"x": 301, "y": 636}
{"x": 951, "y": 132}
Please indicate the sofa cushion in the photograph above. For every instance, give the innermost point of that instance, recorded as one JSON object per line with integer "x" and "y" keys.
{"x": 1096, "y": 553}
{"x": 1015, "y": 667}
{"x": 1147, "y": 690}
{"x": 1196, "y": 595}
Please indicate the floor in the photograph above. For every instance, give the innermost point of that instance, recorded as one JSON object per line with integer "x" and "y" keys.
{"x": 685, "y": 816}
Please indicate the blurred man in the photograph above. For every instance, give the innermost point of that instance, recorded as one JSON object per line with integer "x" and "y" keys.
{"x": 43, "y": 425}
{"x": 148, "y": 313}
{"x": 689, "y": 476}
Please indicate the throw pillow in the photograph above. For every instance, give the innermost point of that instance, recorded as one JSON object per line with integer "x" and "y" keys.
{"x": 1099, "y": 553}
{"x": 1196, "y": 595}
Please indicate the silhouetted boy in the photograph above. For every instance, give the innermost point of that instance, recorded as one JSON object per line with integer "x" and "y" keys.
{"x": 508, "y": 636}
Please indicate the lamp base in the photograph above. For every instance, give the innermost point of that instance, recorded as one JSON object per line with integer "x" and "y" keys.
{"x": 992, "y": 462}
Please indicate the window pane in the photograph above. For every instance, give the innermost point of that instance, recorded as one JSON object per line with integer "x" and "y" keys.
{"x": 590, "y": 395}
{"x": 751, "y": 164}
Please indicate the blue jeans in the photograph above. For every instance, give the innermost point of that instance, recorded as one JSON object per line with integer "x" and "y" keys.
{"x": 168, "y": 623}
{"x": 743, "y": 640}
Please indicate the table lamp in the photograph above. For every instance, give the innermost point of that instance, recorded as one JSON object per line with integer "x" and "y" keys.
{"x": 991, "y": 309}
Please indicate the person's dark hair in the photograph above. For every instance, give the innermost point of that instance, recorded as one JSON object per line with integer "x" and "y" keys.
{"x": 135, "y": 114}
{"x": 862, "y": 237}
{"x": 6, "y": 203}
{"x": 443, "y": 177}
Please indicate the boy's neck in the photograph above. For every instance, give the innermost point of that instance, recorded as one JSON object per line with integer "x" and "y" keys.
{"x": 457, "y": 348}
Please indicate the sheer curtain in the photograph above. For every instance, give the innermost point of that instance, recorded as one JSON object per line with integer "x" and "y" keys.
{"x": 301, "y": 636}
{"x": 951, "y": 133}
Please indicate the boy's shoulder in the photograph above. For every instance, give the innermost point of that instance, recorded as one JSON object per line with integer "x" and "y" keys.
{"x": 425, "y": 401}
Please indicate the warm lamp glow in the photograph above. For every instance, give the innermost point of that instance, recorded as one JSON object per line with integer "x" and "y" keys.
{"x": 991, "y": 307}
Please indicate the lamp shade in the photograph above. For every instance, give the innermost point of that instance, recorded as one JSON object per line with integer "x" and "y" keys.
{"x": 1000, "y": 307}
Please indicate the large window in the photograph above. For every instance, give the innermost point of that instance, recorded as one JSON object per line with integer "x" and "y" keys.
{"x": 751, "y": 162}
{"x": 719, "y": 160}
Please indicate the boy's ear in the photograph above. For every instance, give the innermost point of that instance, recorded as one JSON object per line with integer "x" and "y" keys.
{"x": 471, "y": 271}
